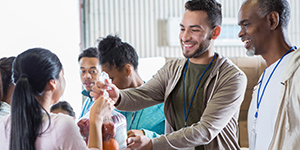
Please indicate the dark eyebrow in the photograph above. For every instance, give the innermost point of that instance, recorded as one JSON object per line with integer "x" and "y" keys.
{"x": 93, "y": 67}
{"x": 242, "y": 21}
{"x": 192, "y": 26}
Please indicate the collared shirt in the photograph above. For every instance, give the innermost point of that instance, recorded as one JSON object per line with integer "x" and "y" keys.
{"x": 88, "y": 103}
{"x": 269, "y": 106}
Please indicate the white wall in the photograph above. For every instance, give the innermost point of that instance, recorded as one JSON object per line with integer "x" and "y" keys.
{"x": 51, "y": 24}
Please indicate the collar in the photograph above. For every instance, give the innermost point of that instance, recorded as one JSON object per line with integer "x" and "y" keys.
{"x": 86, "y": 93}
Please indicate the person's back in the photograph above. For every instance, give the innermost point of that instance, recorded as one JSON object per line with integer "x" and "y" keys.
{"x": 6, "y": 85}
{"x": 39, "y": 82}
{"x": 120, "y": 61}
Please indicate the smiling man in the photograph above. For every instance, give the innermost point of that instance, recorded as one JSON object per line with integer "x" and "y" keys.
{"x": 89, "y": 74}
{"x": 273, "y": 116}
{"x": 202, "y": 93}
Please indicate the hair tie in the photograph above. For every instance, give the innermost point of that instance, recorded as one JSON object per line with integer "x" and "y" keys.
{"x": 24, "y": 75}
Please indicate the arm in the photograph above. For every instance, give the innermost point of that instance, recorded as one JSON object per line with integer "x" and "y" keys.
{"x": 151, "y": 93}
{"x": 101, "y": 108}
{"x": 219, "y": 117}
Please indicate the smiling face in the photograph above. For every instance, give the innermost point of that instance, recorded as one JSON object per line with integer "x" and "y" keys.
{"x": 195, "y": 34}
{"x": 89, "y": 72}
{"x": 254, "y": 28}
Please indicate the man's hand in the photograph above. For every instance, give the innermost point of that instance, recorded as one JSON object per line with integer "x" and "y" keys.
{"x": 135, "y": 133}
{"x": 139, "y": 143}
{"x": 100, "y": 88}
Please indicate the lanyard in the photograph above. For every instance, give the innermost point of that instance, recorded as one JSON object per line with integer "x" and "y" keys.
{"x": 263, "y": 92}
{"x": 186, "y": 65}
{"x": 132, "y": 119}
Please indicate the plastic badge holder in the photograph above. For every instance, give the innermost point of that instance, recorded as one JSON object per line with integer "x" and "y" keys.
{"x": 118, "y": 119}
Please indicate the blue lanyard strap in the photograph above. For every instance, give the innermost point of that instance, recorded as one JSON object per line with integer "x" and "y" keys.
{"x": 263, "y": 92}
{"x": 186, "y": 65}
{"x": 132, "y": 119}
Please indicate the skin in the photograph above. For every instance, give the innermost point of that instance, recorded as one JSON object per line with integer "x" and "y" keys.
{"x": 263, "y": 34}
{"x": 52, "y": 92}
{"x": 127, "y": 77}
{"x": 196, "y": 38}
{"x": 89, "y": 72}
{"x": 101, "y": 108}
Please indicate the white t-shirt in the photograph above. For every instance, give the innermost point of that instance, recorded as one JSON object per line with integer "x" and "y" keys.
{"x": 268, "y": 108}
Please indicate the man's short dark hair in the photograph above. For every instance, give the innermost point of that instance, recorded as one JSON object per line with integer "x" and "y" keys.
{"x": 280, "y": 6}
{"x": 117, "y": 53}
{"x": 89, "y": 52}
{"x": 212, "y": 7}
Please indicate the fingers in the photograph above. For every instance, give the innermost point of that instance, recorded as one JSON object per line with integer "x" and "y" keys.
{"x": 130, "y": 134}
{"x": 100, "y": 88}
{"x": 111, "y": 103}
{"x": 133, "y": 140}
{"x": 134, "y": 133}
{"x": 102, "y": 107}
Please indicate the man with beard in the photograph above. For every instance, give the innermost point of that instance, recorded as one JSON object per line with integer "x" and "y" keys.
{"x": 89, "y": 74}
{"x": 273, "y": 116}
{"x": 202, "y": 93}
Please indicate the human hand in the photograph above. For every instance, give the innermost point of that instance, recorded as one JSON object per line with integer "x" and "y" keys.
{"x": 100, "y": 88}
{"x": 101, "y": 108}
{"x": 135, "y": 133}
{"x": 139, "y": 142}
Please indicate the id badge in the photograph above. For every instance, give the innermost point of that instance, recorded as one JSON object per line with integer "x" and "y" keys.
{"x": 253, "y": 136}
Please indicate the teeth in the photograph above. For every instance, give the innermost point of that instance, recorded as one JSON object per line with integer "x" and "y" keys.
{"x": 247, "y": 41}
{"x": 187, "y": 45}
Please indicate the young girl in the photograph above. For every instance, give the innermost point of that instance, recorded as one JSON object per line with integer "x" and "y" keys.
{"x": 39, "y": 83}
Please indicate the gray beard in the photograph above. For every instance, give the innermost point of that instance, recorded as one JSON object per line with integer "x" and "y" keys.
{"x": 250, "y": 52}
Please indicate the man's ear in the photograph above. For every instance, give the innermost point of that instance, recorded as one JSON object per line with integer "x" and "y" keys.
{"x": 128, "y": 70}
{"x": 215, "y": 32}
{"x": 273, "y": 19}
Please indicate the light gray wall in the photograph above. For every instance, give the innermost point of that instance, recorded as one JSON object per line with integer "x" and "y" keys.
{"x": 144, "y": 24}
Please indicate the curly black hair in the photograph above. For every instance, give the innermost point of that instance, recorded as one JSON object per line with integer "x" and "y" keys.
{"x": 116, "y": 53}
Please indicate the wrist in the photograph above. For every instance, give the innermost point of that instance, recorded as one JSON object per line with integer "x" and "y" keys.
{"x": 96, "y": 119}
{"x": 118, "y": 100}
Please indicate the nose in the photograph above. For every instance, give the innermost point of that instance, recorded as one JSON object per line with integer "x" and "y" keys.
{"x": 185, "y": 35}
{"x": 241, "y": 33}
{"x": 87, "y": 75}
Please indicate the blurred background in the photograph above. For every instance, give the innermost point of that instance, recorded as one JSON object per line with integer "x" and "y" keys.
{"x": 66, "y": 27}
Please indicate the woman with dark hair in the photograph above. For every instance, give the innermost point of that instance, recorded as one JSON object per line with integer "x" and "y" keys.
{"x": 63, "y": 107}
{"x": 39, "y": 83}
{"x": 6, "y": 85}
